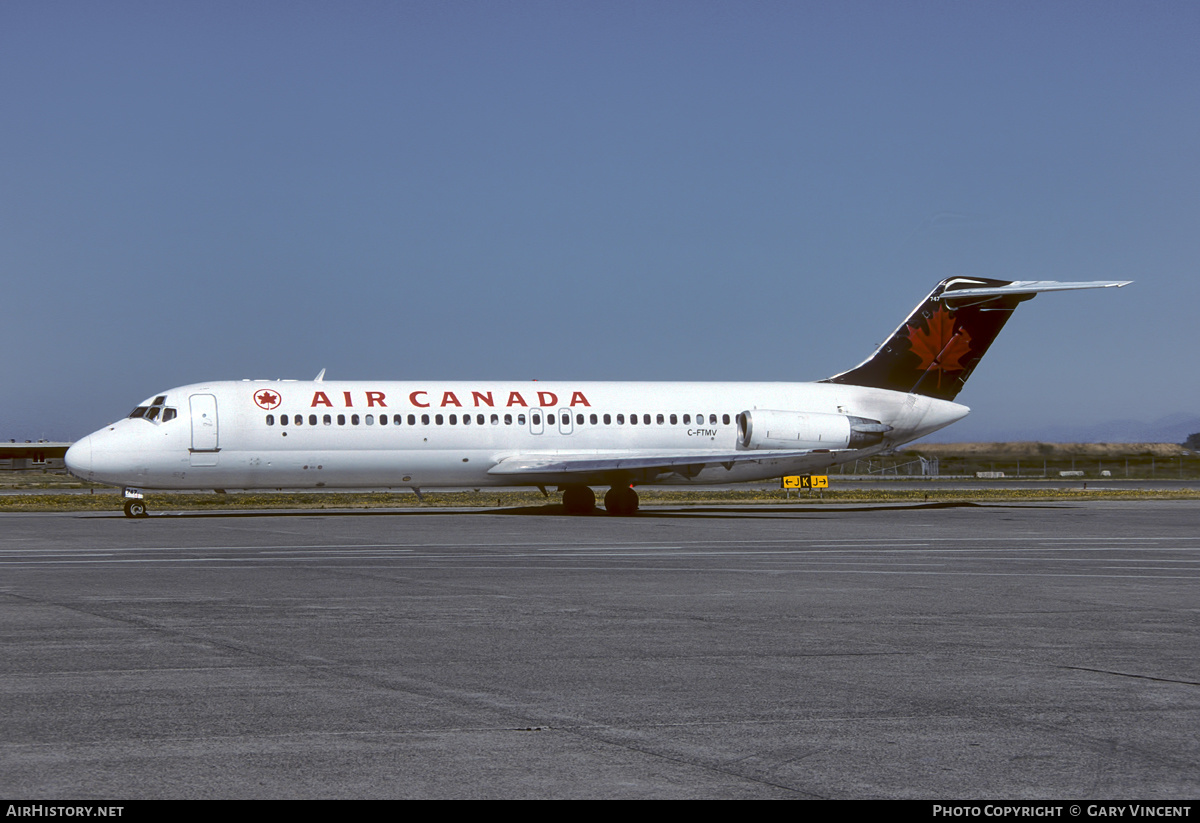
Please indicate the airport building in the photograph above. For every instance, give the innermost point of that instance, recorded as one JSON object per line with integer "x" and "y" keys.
{"x": 32, "y": 454}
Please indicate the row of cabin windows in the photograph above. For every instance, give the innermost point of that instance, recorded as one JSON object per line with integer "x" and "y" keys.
{"x": 480, "y": 419}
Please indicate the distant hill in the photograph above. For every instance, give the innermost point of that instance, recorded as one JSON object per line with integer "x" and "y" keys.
{"x": 1022, "y": 450}
{"x": 1173, "y": 428}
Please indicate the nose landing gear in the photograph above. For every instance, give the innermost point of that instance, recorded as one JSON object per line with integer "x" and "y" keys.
{"x": 136, "y": 508}
{"x": 135, "y": 504}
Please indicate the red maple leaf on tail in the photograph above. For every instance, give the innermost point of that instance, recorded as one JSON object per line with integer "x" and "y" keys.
{"x": 940, "y": 348}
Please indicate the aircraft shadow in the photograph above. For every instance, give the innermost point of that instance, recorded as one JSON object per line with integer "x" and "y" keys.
{"x": 557, "y": 510}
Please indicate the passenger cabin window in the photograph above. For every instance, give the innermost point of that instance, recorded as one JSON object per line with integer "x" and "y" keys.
{"x": 270, "y": 420}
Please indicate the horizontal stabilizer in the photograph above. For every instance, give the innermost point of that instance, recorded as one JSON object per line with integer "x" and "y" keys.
{"x": 1032, "y": 287}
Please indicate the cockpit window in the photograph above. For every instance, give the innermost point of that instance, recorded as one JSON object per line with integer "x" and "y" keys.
{"x": 155, "y": 409}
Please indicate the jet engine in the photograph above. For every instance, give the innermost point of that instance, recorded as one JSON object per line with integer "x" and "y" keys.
{"x": 768, "y": 429}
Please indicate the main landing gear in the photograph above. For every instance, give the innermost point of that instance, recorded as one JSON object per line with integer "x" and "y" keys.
{"x": 579, "y": 500}
{"x": 136, "y": 508}
{"x": 621, "y": 501}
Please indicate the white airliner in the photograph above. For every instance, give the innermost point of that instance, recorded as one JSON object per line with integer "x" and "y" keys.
{"x": 256, "y": 434}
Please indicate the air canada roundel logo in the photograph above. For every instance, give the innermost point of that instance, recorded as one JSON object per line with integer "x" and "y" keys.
{"x": 267, "y": 399}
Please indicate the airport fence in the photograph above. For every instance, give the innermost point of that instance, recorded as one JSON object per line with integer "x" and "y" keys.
{"x": 1116, "y": 467}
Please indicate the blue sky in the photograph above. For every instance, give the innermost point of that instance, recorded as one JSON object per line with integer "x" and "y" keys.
{"x": 575, "y": 190}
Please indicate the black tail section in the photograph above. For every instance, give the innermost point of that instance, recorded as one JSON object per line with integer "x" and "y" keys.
{"x": 935, "y": 350}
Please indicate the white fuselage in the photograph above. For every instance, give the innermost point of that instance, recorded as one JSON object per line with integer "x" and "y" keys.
{"x": 292, "y": 434}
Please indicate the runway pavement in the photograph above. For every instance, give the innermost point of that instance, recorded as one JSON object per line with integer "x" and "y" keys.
{"x": 897, "y": 651}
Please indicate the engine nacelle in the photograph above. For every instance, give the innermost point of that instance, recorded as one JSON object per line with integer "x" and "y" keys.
{"x": 769, "y": 429}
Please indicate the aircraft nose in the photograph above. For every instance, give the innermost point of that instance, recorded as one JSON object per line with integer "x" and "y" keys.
{"x": 79, "y": 458}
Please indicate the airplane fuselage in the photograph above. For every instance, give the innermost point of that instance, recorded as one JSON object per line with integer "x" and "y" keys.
{"x": 340, "y": 434}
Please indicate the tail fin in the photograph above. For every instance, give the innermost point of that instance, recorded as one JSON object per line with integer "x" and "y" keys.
{"x": 935, "y": 350}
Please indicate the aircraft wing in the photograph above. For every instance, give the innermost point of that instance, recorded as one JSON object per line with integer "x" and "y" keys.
{"x": 687, "y": 464}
